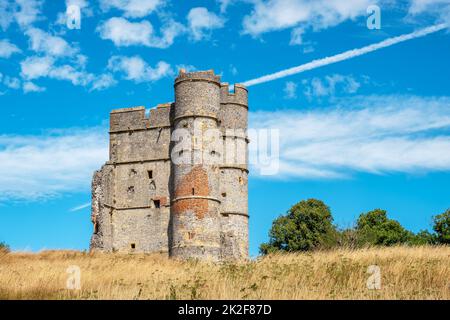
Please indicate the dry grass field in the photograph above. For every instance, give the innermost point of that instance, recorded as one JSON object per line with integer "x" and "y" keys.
{"x": 406, "y": 273}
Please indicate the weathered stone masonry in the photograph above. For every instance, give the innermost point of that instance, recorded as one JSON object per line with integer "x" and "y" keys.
{"x": 142, "y": 201}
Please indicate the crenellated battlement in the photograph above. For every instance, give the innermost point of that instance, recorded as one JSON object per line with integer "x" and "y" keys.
{"x": 207, "y": 76}
{"x": 134, "y": 119}
{"x": 127, "y": 119}
{"x": 238, "y": 96}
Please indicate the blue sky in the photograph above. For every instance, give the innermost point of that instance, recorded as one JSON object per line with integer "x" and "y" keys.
{"x": 369, "y": 132}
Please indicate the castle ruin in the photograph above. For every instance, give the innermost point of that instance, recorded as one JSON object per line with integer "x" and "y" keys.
{"x": 176, "y": 181}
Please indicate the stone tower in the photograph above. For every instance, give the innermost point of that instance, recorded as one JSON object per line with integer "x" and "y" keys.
{"x": 176, "y": 181}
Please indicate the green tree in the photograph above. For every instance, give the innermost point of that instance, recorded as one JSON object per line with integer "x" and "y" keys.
{"x": 307, "y": 225}
{"x": 375, "y": 228}
{"x": 442, "y": 227}
{"x": 422, "y": 238}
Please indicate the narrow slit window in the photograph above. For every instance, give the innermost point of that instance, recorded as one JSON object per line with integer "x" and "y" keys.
{"x": 193, "y": 191}
{"x": 150, "y": 174}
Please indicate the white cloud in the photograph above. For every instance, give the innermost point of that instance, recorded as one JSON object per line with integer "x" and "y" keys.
{"x": 290, "y": 90}
{"x": 381, "y": 134}
{"x": 35, "y": 67}
{"x": 103, "y": 82}
{"x": 440, "y": 9}
{"x": 317, "y": 87}
{"x": 420, "y": 6}
{"x": 41, "y": 41}
{"x": 11, "y": 82}
{"x": 224, "y": 4}
{"x": 125, "y": 33}
{"x": 201, "y": 22}
{"x": 69, "y": 73}
{"x": 136, "y": 69}
{"x": 132, "y": 8}
{"x": 31, "y": 87}
{"x": 6, "y": 15}
{"x": 29, "y": 11}
{"x": 23, "y": 12}
{"x": 281, "y": 14}
{"x": 7, "y": 49}
{"x": 38, "y": 167}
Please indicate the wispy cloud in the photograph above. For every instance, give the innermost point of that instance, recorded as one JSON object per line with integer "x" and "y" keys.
{"x": 439, "y": 8}
{"x": 329, "y": 85}
{"x": 346, "y": 55}
{"x": 36, "y": 67}
{"x": 39, "y": 167}
{"x": 380, "y": 134}
{"x": 290, "y": 90}
{"x": 31, "y": 87}
{"x": 7, "y": 49}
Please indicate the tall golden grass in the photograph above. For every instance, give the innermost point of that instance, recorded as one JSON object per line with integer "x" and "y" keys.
{"x": 406, "y": 273}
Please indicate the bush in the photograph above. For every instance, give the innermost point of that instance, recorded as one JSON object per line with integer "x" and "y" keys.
{"x": 442, "y": 227}
{"x": 375, "y": 228}
{"x": 307, "y": 225}
{"x": 349, "y": 238}
{"x": 4, "y": 247}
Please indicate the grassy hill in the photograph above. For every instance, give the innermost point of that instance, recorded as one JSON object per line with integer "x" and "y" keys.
{"x": 406, "y": 273}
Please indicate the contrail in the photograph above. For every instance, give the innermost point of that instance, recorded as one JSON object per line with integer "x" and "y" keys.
{"x": 81, "y": 207}
{"x": 346, "y": 55}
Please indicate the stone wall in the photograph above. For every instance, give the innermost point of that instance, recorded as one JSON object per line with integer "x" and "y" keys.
{"x": 131, "y": 205}
{"x": 142, "y": 201}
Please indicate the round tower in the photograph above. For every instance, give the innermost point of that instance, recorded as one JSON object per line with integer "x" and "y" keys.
{"x": 195, "y": 215}
{"x": 234, "y": 173}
